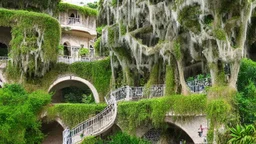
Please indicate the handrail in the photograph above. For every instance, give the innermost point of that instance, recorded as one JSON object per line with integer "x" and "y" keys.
{"x": 128, "y": 93}
{"x": 92, "y": 126}
{"x": 106, "y": 118}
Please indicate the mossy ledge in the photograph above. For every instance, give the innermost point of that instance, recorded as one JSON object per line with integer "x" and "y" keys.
{"x": 33, "y": 47}
{"x": 62, "y": 7}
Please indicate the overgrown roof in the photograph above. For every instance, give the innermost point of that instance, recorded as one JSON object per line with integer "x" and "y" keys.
{"x": 62, "y": 7}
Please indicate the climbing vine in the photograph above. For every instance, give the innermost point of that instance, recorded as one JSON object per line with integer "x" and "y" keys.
{"x": 73, "y": 114}
{"x": 33, "y": 47}
{"x": 97, "y": 72}
{"x": 153, "y": 111}
{"x": 62, "y": 7}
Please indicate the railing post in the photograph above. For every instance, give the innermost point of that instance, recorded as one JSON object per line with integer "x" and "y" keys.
{"x": 127, "y": 98}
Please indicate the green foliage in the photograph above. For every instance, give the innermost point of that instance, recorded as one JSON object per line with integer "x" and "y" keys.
{"x": 126, "y": 139}
{"x": 87, "y": 11}
{"x": 169, "y": 80}
{"x": 111, "y": 36}
{"x": 97, "y": 46}
{"x": 118, "y": 138}
{"x": 83, "y": 51}
{"x": 219, "y": 34}
{"x": 92, "y": 140}
{"x": 32, "y": 5}
{"x": 73, "y": 114}
{"x": 18, "y": 114}
{"x": 246, "y": 99}
{"x": 93, "y": 5}
{"x": 134, "y": 114}
{"x": 114, "y": 3}
{"x": 97, "y": 72}
{"x": 189, "y": 17}
{"x": 153, "y": 78}
{"x": 99, "y": 30}
{"x": 218, "y": 110}
{"x": 74, "y": 94}
{"x": 177, "y": 49}
{"x": 123, "y": 29}
{"x": 243, "y": 135}
{"x": 25, "y": 38}
{"x": 88, "y": 99}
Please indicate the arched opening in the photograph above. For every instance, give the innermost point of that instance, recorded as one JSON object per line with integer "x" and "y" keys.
{"x": 173, "y": 134}
{"x": 5, "y": 38}
{"x": 72, "y": 15}
{"x": 252, "y": 51}
{"x": 73, "y": 89}
{"x": 3, "y": 49}
{"x": 66, "y": 49}
{"x": 52, "y": 131}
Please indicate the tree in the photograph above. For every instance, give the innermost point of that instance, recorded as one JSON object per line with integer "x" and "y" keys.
{"x": 93, "y": 5}
{"x": 246, "y": 99}
{"x": 18, "y": 114}
{"x": 243, "y": 135}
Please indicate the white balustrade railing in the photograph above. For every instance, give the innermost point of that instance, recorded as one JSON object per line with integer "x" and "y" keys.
{"x": 128, "y": 93}
{"x": 4, "y": 58}
{"x": 106, "y": 118}
{"x": 93, "y": 126}
{"x": 198, "y": 85}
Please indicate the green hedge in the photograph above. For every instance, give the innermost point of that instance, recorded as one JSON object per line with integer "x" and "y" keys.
{"x": 27, "y": 29}
{"x": 34, "y": 5}
{"x": 73, "y": 114}
{"x": 147, "y": 111}
{"x": 62, "y": 7}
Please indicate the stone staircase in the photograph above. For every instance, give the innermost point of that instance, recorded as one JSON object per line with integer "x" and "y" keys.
{"x": 104, "y": 120}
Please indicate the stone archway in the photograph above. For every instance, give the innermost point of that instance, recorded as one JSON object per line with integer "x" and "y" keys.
{"x": 191, "y": 126}
{"x": 53, "y": 131}
{"x": 76, "y": 79}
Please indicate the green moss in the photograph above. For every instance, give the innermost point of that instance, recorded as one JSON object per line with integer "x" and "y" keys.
{"x": 153, "y": 111}
{"x": 63, "y": 7}
{"x": 123, "y": 29}
{"x": 31, "y": 5}
{"x": 189, "y": 17}
{"x": 73, "y": 114}
{"x": 169, "y": 80}
{"x": 97, "y": 72}
{"x": 97, "y": 46}
{"x": 219, "y": 34}
{"x": 114, "y": 3}
{"x": 177, "y": 49}
{"x": 25, "y": 39}
{"x": 111, "y": 36}
{"x": 153, "y": 78}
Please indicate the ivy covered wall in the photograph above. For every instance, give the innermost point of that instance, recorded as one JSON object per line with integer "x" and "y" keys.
{"x": 34, "y": 44}
{"x": 47, "y": 6}
{"x": 63, "y": 7}
{"x": 96, "y": 72}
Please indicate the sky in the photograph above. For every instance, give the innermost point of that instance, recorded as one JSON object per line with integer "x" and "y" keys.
{"x": 78, "y": 1}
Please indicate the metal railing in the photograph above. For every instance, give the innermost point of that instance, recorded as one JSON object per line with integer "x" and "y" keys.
{"x": 93, "y": 126}
{"x": 198, "y": 85}
{"x": 129, "y": 93}
{"x": 4, "y": 58}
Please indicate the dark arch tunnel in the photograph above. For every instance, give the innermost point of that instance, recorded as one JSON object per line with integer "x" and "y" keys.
{"x": 52, "y": 131}
{"x": 61, "y": 89}
{"x": 171, "y": 135}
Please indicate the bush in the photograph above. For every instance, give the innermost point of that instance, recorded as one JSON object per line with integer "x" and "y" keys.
{"x": 18, "y": 114}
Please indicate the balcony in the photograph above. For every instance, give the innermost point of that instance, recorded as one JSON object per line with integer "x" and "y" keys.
{"x": 79, "y": 24}
{"x": 198, "y": 83}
